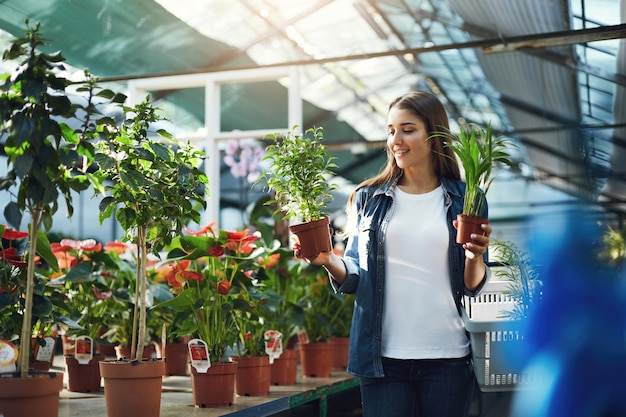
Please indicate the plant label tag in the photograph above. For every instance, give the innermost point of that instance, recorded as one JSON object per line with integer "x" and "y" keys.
{"x": 8, "y": 356}
{"x": 273, "y": 344}
{"x": 45, "y": 351}
{"x": 199, "y": 354}
{"x": 83, "y": 351}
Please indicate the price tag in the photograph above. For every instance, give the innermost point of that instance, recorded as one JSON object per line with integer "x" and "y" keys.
{"x": 8, "y": 356}
{"x": 273, "y": 344}
{"x": 199, "y": 354}
{"x": 83, "y": 349}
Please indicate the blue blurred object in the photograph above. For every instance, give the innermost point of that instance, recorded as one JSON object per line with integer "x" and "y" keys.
{"x": 577, "y": 334}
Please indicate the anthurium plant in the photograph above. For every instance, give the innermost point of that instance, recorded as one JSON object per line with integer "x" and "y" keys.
{"x": 211, "y": 273}
{"x": 13, "y": 268}
{"x": 154, "y": 187}
{"x": 47, "y": 159}
{"x": 300, "y": 169}
{"x": 89, "y": 275}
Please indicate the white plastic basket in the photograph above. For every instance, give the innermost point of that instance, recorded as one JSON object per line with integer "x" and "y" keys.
{"x": 493, "y": 338}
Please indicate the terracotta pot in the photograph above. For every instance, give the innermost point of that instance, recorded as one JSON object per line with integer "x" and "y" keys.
{"x": 216, "y": 387}
{"x": 285, "y": 368}
{"x": 253, "y": 375}
{"x": 132, "y": 388}
{"x": 37, "y": 395}
{"x": 68, "y": 341}
{"x": 83, "y": 377}
{"x": 124, "y": 352}
{"x": 316, "y": 359}
{"x": 39, "y": 366}
{"x": 314, "y": 237}
{"x": 340, "y": 347}
{"x": 106, "y": 349}
{"x": 467, "y": 225}
{"x": 43, "y": 356}
{"x": 176, "y": 358}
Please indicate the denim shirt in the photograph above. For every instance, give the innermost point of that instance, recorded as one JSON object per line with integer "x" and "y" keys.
{"x": 365, "y": 264}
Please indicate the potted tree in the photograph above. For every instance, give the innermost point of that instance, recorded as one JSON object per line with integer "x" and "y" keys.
{"x": 154, "y": 189}
{"x": 300, "y": 169}
{"x": 47, "y": 160}
{"x": 478, "y": 151}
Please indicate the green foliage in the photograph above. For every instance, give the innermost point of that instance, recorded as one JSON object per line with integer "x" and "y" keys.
{"x": 516, "y": 268}
{"x": 478, "y": 151}
{"x": 154, "y": 187}
{"x": 300, "y": 170}
{"x": 613, "y": 250}
{"x": 46, "y": 158}
{"x": 326, "y": 313}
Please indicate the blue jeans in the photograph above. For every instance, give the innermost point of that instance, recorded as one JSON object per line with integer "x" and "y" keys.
{"x": 419, "y": 388}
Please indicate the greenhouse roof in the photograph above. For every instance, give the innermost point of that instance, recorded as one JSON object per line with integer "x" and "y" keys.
{"x": 551, "y": 74}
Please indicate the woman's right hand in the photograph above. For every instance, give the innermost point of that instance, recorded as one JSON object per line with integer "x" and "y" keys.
{"x": 321, "y": 259}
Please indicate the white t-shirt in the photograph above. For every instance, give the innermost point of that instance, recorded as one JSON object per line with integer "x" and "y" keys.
{"x": 420, "y": 319}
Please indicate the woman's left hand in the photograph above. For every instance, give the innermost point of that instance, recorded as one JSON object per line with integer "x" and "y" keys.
{"x": 478, "y": 246}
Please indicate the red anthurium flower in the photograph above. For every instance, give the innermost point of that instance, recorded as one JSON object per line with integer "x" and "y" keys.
{"x": 102, "y": 295}
{"x": 117, "y": 247}
{"x": 178, "y": 274}
{"x": 11, "y": 257}
{"x": 216, "y": 251}
{"x": 209, "y": 228}
{"x": 241, "y": 241}
{"x": 268, "y": 261}
{"x": 10, "y": 234}
{"x": 247, "y": 336}
{"x": 223, "y": 287}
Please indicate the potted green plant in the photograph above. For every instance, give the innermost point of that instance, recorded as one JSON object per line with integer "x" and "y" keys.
{"x": 210, "y": 274}
{"x": 299, "y": 177}
{"x": 87, "y": 272}
{"x": 479, "y": 151}
{"x": 154, "y": 188}
{"x": 47, "y": 160}
{"x": 317, "y": 303}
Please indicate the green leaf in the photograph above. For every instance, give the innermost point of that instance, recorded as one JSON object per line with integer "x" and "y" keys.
{"x": 13, "y": 214}
{"x": 45, "y": 251}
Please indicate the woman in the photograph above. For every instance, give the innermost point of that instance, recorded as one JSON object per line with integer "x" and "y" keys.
{"x": 408, "y": 344}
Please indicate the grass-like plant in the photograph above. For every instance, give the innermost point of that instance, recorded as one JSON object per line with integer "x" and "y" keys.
{"x": 478, "y": 151}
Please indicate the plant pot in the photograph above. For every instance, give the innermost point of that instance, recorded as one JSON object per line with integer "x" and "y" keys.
{"x": 340, "y": 347}
{"x": 106, "y": 349}
{"x": 132, "y": 387}
{"x": 83, "y": 377}
{"x": 314, "y": 237}
{"x": 216, "y": 387}
{"x": 284, "y": 370}
{"x": 43, "y": 356}
{"x": 176, "y": 358}
{"x": 122, "y": 352}
{"x": 37, "y": 395}
{"x": 316, "y": 359}
{"x": 68, "y": 342}
{"x": 467, "y": 225}
{"x": 253, "y": 375}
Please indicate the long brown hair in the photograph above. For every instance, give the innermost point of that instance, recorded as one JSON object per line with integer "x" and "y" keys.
{"x": 429, "y": 110}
